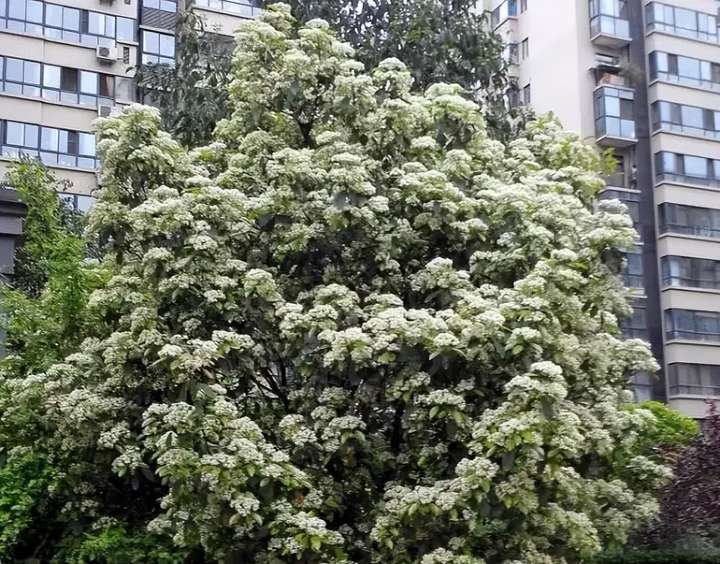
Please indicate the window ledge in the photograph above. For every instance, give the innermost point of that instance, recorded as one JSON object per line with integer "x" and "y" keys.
{"x": 664, "y": 288}
{"x": 667, "y": 234}
{"x": 686, "y": 135}
{"x": 91, "y": 109}
{"x": 648, "y": 33}
{"x": 61, "y": 42}
{"x": 220, "y": 11}
{"x": 655, "y": 81}
{"x": 691, "y": 342}
{"x": 54, "y": 166}
{"x": 695, "y": 397}
{"x": 687, "y": 185}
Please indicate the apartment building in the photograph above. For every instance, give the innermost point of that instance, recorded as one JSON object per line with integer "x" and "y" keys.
{"x": 642, "y": 77}
{"x": 63, "y": 63}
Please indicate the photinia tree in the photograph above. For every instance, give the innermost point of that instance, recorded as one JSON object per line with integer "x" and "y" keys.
{"x": 353, "y": 328}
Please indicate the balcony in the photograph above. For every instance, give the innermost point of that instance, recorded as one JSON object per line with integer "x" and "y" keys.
{"x": 609, "y": 26}
{"x": 614, "y": 122}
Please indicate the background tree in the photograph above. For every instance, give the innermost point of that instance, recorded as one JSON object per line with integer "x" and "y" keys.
{"x": 672, "y": 433}
{"x": 352, "y": 328}
{"x": 687, "y": 529}
{"x": 438, "y": 40}
{"x": 192, "y": 93}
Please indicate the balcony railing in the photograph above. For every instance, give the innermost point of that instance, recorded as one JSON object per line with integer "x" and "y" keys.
{"x": 245, "y": 9}
{"x": 687, "y": 179}
{"x": 694, "y": 390}
{"x": 686, "y": 129}
{"x": 616, "y": 179}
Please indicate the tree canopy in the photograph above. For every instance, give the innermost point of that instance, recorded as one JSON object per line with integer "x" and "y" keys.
{"x": 353, "y": 328}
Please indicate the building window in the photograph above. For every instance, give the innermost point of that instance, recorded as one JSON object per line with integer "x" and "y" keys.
{"x": 684, "y": 70}
{"x": 507, "y": 9}
{"x": 680, "y": 118}
{"x": 690, "y": 272}
{"x": 630, "y": 199}
{"x": 158, "y": 48}
{"x": 692, "y": 325}
{"x": 165, "y": 5}
{"x": 513, "y": 95}
{"x": 510, "y": 53}
{"x": 524, "y": 49}
{"x": 30, "y": 78}
{"x": 614, "y": 112}
{"x": 689, "y": 220}
{"x": 633, "y": 273}
{"x": 681, "y": 21}
{"x": 65, "y": 23}
{"x": 245, "y": 9}
{"x": 691, "y": 169}
{"x": 80, "y": 203}
{"x": 635, "y": 326}
{"x": 694, "y": 379}
{"x": 526, "y": 95}
{"x": 523, "y": 6}
{"x": 609, "y": 17}
{"x": 52, "y": 146}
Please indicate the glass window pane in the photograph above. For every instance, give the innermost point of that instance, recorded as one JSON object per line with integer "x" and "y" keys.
{"x": 49, "y": 141}
{"x": 14, "y": 70}
{"x": 167, "y": 45}
{"x": 106, "y": 86}
{"x": 13, "y": 133}
{"x": 151, "y": 42}
{"x": 51, "y": 76}
{"x": 16, "y": 9}
{"x": 668, "y": 162}
{"x": 688, "y": 67}
{"x": 69, "y": 79}
{"x": 53, "y": 15}
{"x": 96, "y": 23}
{"x": 86, "y": 144}
{"x": 695, "y": 166}
{"x": 661, "y": 61}
{"x": 71, "y": 19}
{"x": 88, "y": 82}
{"x": 63, "y": 141}
{"x": 125, "y": 29}
{"x": 109, "y": 26}
{"x": 34, "y": 11}
{"x": 31, "y": 72}
{"x": 32, "y": 135}
{"x": 685, "y": 18}
{"x": 692, "y": 116}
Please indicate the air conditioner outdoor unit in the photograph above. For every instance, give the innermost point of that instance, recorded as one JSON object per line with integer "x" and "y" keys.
{"x": 105, "y": 54}
{"x": 105, "y": 110}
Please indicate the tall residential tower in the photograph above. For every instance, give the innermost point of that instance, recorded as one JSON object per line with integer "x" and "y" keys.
{"x": 63, "y": 63}
{"x": 643, "y": 77}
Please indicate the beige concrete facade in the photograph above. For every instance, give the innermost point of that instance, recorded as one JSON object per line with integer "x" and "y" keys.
{"x": 151, "y": 24}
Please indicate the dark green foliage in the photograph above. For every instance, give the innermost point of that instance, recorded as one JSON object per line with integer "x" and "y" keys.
{"x": 23, "y": 484}
{"x": 192, "y": 94}
{"x": 115, "y": 544}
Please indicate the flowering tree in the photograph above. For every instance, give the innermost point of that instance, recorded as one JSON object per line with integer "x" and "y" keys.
{"x": 351, "y": 329}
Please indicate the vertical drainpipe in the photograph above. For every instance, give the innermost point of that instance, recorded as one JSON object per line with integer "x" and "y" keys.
{"x": 645, "y": 183}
